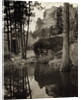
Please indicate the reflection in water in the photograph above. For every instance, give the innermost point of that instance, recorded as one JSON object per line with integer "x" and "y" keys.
{"x": 37, "y": 91}
{"x": 16, "y": 83}
{"x": 56, "y": 83}
{"x": 66, "y": 84}
{"x": 45, "y": 81}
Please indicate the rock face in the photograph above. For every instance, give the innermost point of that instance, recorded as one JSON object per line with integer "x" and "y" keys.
{"x": 31, "y": 40}
{"x": 54, "y": 44}
{"x": 43, "y": 25}
{"x": 50, "y": 17}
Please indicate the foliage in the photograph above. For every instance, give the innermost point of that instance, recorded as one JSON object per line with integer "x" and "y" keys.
{"x": 59, "y": 25}
{"x": 16, "y": 16}
{"x": 73, "y": 25}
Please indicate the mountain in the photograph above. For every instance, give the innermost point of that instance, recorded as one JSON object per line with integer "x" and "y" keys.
{"x": 51, "y": 24}
{"x": 50, "y": 17}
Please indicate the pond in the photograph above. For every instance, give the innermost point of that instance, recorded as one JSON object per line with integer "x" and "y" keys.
{"x": 47, "y": 83}
{"x": 44, "y": 82}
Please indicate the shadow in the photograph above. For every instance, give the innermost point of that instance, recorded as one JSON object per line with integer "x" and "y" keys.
{"x": 56, "y": 83}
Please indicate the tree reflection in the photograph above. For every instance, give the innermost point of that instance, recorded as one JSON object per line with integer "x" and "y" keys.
{"x": 16, "y": 83}
{"x": 56, "y": 83}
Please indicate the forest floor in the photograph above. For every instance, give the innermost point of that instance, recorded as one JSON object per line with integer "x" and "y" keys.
{"x": 16, "y": 61}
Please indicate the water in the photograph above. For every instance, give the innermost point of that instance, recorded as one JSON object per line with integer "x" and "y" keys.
{"x": 45, "y": 82}
{"x": 37, "y": 90}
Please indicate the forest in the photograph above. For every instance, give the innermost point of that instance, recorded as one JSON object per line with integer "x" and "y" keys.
{"x": 44, "y": 60}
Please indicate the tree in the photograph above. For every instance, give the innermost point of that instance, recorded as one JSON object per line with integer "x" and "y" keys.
{"x": 65, "y": 55}
{"x": 59, "y": 24}
{"x": 17, "y": 15}
{"x": 7, "y": 24}
{"x": 8, "y": 21}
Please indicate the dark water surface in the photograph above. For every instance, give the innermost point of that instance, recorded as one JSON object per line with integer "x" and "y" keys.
{"x": 45, "y": 82}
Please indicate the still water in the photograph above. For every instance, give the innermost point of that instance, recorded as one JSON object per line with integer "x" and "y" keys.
{"x": 47, "y": 83}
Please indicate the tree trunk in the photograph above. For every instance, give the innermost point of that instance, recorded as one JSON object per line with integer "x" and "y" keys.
{"x": 16, "y": 38}
{"x": 8, "y": 31}
{"x": 10, "y": 28}
{"x": 22, "y": 52}
{"x": 26, "y": 46}
{"x": 21, "y": 30}
{"x": 27, "y": 37}
{"x": 65, "y": 54}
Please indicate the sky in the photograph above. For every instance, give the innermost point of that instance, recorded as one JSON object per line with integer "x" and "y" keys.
{"x": 39, "y": 13}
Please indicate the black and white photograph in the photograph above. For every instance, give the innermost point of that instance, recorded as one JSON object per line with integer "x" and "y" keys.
{"x": 40, "y": 44}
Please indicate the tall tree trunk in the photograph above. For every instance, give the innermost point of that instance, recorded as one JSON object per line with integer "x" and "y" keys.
{"x": 25, "y": 46}
{"x": 8, "y": 31}
{"x": 22, "y": 51}
{"x": 27, "y": 29}
{"x": 16, "y": 49}
{"x": 24, "y": 55}
{"x": 21, "y": 30}
{"x": 65, "y": 54}
{"x": 16, "y": 37}
{"x": 27, "y": 37}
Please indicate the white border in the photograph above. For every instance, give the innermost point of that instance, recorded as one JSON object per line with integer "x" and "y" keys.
{"x": 0, "y": 50}
{"x": 79, "y": 44}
